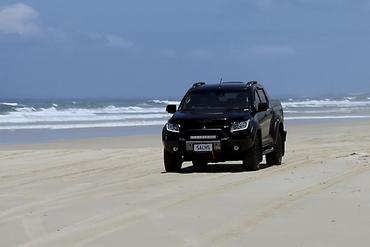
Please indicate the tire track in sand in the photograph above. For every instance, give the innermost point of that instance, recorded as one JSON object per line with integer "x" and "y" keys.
{"x": 248, "y": 223}
{"x": 98, "y": 226}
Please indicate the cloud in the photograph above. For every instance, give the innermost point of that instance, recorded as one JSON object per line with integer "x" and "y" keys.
{"x": 118, "y": 41}
{"x": 19, "y": 19}
{"x": 113, "y": 40}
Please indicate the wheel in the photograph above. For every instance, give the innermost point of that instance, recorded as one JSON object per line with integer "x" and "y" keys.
{"x": 172, "y": 162}
{"x": 276, "y": 157}
{"x": 199, "y": 163}
{"x": 253, "y": 156}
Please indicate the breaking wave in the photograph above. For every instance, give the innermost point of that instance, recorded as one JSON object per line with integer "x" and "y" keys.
{"x": 94, "y": 114}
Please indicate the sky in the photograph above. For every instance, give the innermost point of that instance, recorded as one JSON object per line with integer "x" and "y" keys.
{"x": 137, "y": 48}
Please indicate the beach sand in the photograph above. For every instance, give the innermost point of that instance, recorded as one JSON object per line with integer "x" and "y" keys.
{"x": 114, "y": 192}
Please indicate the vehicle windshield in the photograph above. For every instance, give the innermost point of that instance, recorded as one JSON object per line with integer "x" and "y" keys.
{"x": 216, "y": 101}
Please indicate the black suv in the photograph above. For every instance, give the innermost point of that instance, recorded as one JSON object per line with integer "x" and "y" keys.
{"x": 222, "y": 122}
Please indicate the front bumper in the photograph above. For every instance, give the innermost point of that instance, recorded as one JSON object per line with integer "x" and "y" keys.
{"x": 223, "y": 150}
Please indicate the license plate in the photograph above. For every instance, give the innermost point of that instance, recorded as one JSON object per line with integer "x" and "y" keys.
{"x": 203, "y": 147}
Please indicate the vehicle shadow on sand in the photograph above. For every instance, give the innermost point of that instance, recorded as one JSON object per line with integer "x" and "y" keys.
{"x": 220, "y": 168}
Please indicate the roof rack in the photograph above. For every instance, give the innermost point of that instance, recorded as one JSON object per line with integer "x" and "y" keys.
{"x": 232, "y": 82}
{"x": 250, "y": 83}
{"x": 198, "y": 84}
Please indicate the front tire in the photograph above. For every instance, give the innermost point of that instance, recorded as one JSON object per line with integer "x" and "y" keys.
{"x": 253, "y": 156}
{"x": 172, "y": 162}
{"x": 276, "y": 157}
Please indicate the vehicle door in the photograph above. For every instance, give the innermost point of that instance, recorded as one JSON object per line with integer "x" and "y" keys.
{"x": 265, "y": 117}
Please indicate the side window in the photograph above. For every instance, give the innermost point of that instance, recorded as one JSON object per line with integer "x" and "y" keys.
{"x": 257, "y": 99}
{"x": 262, "y": 95}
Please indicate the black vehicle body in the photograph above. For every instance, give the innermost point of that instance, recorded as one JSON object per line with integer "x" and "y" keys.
{"x": 261, "y": 126}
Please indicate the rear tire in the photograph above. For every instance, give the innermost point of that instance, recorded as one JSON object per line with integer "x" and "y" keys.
{"x": 276, "y": 157}
{"x": 253, "y": 156}
{"x": 172, "y": 162}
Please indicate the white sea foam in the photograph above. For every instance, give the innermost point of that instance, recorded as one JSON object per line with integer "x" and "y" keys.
{"x": 350, "y": 98}
{"x": 167, "y": 102}
{"x": 67, "y": 117}
{"x": 107, "y": 116}
{"x": 9, "y": 104}
{"x": 91, "y": 111}
{"x": 319, "y": 111}
{"x": 325, "y": 117}
{"x": 83, "y": 125}
{"x": 30, "y": 116}
{"x": 25, "y": 109}
{"x": 129, "y": 109}
{"x": 325, "y": 103}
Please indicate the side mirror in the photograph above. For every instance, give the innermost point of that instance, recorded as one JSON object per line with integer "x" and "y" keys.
{"x": 263, "y": 107}
{"x": 171, "y": 108}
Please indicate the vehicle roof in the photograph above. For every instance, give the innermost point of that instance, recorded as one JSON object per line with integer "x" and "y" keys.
{"x": 224, "y": 86}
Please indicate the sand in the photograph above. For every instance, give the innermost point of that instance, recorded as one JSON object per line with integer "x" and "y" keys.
{"x": 114, "y": 192}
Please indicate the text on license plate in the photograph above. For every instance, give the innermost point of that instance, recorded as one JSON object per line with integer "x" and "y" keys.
{"x": 203, "y": 147}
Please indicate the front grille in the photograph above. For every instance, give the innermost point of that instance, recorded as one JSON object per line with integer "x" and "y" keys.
{"x": 205, "y": 125}
{"x": 210, "y": 134}
{"x": 205, "y": 130}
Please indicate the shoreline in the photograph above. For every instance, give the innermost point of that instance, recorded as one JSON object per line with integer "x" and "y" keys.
{"x": 44, "y": 136}
{"x": 52, "y": 136}
{"x": 137, "y": 137}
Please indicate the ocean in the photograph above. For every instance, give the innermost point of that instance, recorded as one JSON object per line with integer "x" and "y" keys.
{"x": 83, "y": 114}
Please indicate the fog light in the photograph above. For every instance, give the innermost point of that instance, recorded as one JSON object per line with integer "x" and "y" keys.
{"x": 236, "y": 148}
{"x": 175, "y": 149}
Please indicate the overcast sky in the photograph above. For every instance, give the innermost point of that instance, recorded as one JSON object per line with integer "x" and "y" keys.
{"x": 124, "y": 48}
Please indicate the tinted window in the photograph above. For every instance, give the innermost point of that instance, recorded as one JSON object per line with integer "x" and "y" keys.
{"x": 262, "y": 96}
{"x": 257, "y": 99}
{"x": 215, "y": 100}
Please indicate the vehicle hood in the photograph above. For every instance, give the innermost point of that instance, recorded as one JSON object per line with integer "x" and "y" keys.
{"x": 209, "y": 117}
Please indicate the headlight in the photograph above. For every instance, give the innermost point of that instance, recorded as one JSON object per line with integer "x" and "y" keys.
{"x": 239, "y": 126}
{"x": 173, "y": 127}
